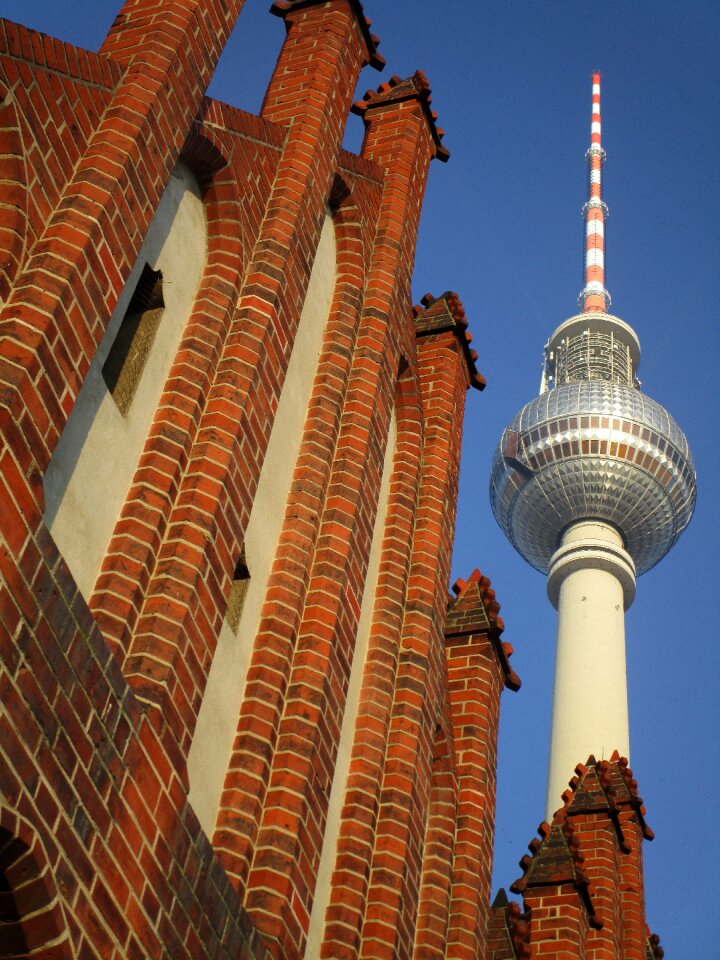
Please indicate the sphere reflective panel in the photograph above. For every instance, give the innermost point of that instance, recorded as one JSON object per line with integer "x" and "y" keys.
{"x": 593, "y": 449}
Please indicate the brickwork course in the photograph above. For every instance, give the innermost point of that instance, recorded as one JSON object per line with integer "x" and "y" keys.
{"x": 101, "y": 852}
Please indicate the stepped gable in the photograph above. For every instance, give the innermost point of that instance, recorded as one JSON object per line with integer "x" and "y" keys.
{"x": 653, "y": 950}
{"x": 443, "y": 313}
{"x": 281, "y": 8}
{"x": 508, "y": 931}
{"x": 555, "y": 859}
{"x": 475, "y": 610}
{"x": 396, "y": 90}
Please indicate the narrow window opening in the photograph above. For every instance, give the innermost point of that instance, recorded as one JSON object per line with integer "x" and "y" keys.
{"x": 12, "y": 936}
{"x": 127, "y": 357}
{"x": 27, "y": 920}
{"x": 238, "y": 591}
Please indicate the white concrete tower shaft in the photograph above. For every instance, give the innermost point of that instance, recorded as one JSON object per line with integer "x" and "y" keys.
{"x": 591, "y": 582}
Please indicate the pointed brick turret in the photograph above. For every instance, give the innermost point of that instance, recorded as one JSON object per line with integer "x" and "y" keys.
{"x": 594, "y": 844}
{"x": 475, "y": 610}
{"x": 606, "y": 786}
{"x": 555, "y": 860}
{"x": 509, "y": 933}
{"x": 590, "y": 792}
{"x": 281, "y": 8}
{"x": 446, "y": 313}
{"x": 618, "y": 778}
{"x": 622, "y": 786}
{"x": 478, "y": 670}
{"x": 395, "y": 91}
{"x": 586, "y": 792}
{"x": 556, "y": 893}
{"x": 473, "y": 606}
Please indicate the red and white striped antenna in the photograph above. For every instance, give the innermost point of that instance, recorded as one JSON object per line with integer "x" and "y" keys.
{"x": 594, "y": 296}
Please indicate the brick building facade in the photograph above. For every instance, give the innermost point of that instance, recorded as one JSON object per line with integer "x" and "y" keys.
{"x": 240, "y": 718}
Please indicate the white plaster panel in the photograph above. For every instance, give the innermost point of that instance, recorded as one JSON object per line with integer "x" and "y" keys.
{"x": 217, "y": 721}
{"x": 91, "y": 470}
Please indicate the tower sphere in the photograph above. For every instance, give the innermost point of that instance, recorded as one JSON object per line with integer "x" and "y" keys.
{"x": 593, "y": 449}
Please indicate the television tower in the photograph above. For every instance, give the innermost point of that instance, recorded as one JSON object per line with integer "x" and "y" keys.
{"x": 592, "y": 483}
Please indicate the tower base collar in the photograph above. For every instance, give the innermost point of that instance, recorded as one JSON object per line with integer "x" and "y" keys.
{"x": 596, "y": 546}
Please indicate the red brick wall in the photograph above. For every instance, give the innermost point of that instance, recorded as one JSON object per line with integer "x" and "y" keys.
{"x": 559, "y": 923}
{"x": 102, "y": 698}
{"x": 419, "y": 698}
{"x": 598, "y": 841}
{"x": 48, "y": 117}
{"x": 175, "y": 636}
{"x": 475, "y": 682}
{"x": 346, "y": 911}
{"x": 433, "y": 914}
{"x": 477, "y": 671}
{"x": 93, "y": 226}
{"x": 632, "y": 890}
{"x": 300, "y": 757}
{"x": 81, "y": 764}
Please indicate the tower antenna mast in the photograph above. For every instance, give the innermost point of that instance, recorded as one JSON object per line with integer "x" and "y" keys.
{"x": 594, "y": 296}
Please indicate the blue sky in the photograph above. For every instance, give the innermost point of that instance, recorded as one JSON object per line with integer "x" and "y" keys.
{"x": 501, "y": 226}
